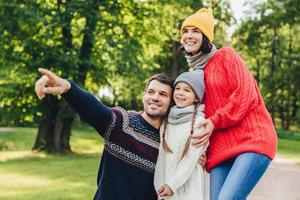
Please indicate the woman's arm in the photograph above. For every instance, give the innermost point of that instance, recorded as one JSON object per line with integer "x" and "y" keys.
{"x": 244, "y": 96}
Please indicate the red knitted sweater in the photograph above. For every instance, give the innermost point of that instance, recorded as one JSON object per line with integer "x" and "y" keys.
{"x": 234, "y": 104}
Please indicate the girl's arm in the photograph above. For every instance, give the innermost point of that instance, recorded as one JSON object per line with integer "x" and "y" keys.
{"x": 185, "y": 167}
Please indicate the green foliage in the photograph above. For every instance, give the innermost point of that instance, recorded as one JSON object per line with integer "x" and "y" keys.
{"x": 30, "y": 37}
{"x": 109, "y": 43}
{"x": 290, "y": 135}
{"x": 269, "y": 42}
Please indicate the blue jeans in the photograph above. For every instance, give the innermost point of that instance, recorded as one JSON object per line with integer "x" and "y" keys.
{"x": 235, "y": 178}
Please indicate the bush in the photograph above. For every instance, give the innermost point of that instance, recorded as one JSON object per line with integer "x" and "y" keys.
{"x": 290, "y": 135}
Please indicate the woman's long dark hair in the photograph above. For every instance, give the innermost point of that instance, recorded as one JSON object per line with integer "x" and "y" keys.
{"x": 206, "y": 46}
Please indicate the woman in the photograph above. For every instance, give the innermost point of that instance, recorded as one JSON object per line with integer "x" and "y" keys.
{"x": 241, "y": 135}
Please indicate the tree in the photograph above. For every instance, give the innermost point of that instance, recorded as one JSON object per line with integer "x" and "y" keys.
{"x": 109, "y": 43}
{"x": 269, "y": 41}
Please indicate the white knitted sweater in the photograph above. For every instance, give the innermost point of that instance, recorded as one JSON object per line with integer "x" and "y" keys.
{"x": 185, "y": 178}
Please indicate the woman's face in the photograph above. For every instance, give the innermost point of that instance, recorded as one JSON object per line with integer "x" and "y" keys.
{"x": 191, "y": 39}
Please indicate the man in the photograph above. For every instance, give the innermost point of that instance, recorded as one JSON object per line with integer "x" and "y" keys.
{"x": 131, "y": 139}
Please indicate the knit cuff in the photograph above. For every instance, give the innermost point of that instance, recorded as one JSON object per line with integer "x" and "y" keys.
{"x": 173, "y": 186}
{"x": 216, "y": 120}
{"x": 70, "y": 92}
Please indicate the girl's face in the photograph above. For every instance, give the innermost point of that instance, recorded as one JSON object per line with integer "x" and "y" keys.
{"x": 184, "y": 95}
{"x": 191, "y": 39}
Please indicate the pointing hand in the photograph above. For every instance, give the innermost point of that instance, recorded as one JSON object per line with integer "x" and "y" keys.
{"x": 50, "y": 83}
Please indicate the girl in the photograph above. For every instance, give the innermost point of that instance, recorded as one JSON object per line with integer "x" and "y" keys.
{"x": 238, "y": 127}
{"x": 177, "y": 174}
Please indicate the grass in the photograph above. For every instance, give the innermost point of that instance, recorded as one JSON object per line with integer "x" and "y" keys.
{"x": 32, "y": 175}
{"x": 289, "y": 149}
{"x": 27, "y": 175}
{"x": 289, "y": 145}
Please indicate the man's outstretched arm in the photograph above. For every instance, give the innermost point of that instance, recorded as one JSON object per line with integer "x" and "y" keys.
{"x": 90, "y": 109}
{"x": 85, "y": 104}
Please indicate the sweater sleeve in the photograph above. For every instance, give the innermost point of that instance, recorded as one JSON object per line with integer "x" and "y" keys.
{"x": 89, "y": 108}
{"x": 185, "y": 167}
{"x": 243, "y": 97}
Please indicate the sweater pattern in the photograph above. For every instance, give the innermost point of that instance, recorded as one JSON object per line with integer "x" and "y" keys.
{"x": 127, "y": 137}
{"x": 132, "y": 127}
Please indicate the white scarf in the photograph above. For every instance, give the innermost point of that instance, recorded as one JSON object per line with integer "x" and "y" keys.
{"x": 182, "y": 115}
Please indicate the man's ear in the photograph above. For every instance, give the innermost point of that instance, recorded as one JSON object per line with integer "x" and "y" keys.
{"x": 143, "y": 98}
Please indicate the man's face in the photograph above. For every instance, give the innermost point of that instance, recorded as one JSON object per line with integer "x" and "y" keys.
{"x": 156, "y": 99}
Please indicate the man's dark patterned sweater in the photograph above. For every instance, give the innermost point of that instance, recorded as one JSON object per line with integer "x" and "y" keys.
{"x": 130, "y": 151}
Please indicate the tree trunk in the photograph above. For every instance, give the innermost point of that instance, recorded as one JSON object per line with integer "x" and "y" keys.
{"x": 295, "y": 105}
{"x": 54, "y": 137}
{"x": 175, "y": 59}
{"x": 62, "y": 129}
{"x": 55, "y": 126}
{"x": 41, "y": 141}
{"x": 273, "y": 67}
{"x": 257, "y": 72}
{"x": 289, "y": 84}
{"x": 88, "y": 41}
{"x": 44, "y": 139}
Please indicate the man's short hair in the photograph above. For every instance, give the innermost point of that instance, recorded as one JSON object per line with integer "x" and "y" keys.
{"x": 162, "y": 78}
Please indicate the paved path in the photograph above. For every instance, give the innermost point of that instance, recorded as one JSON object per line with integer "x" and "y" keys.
{"x": 4, "y": 129}
{"x": 280, "y": 182}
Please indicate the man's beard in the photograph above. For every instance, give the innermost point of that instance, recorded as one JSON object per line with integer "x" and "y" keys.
{"x": 159, "y": 116}
{"x": 154, "y": 116}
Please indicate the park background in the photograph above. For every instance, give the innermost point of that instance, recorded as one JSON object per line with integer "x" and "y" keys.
{"x": 110, "y": 48}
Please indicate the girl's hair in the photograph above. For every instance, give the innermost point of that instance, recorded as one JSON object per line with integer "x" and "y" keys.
{"x": 205, "y": 47}
{"x": 188, "y": 142}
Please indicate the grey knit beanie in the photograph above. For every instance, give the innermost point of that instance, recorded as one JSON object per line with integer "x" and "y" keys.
{"x": 195, "y": 79}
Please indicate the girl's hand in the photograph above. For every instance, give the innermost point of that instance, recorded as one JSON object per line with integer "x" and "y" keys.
{"x": 202, "y": 160}
{"x": 165, "y": 191}
{"x": 202, "y": 138}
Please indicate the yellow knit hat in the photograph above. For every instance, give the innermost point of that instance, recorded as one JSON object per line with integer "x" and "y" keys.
{"x": 203, "y": 19}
